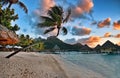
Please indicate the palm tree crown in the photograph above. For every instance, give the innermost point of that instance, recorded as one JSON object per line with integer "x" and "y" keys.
{"x": 10, "y": 2}
{"x": 55, "y": 19}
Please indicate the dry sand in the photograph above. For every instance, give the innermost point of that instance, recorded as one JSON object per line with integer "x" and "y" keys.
{"x": 35, "y": 65}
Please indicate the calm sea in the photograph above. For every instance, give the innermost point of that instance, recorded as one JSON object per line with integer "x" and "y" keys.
{"x": 107, "y": 65}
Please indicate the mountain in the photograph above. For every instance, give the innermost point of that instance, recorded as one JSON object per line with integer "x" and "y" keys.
{"x": 77, "y": 47}
{"x": 97, "y": 47}
{"x": 70, "y": 41}
{"x": 108, "y": 44}
{"x": 118, "y": 47}
{"x": 51, "y": 42}
{"x": 86, "y": 48}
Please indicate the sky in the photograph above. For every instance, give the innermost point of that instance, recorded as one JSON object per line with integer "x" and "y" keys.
{"x": 92, "y": 22}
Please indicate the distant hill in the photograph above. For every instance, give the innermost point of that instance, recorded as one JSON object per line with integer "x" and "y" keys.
{"x": 97, "y": 47}
{"x": 108, "y": 44}
{"x": 51, "y": 42}
{"x": 86, "y": 48}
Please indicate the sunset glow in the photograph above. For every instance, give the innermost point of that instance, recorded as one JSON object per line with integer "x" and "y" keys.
{"x": 92, "y": 21}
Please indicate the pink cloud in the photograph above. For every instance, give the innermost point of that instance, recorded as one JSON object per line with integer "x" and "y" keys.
{"x": 46, "y": 4}
{"x": 116, "y": 25}
{"x": 117, "y": 36}
{"x": 104, "y": 23}
{"x": 76, "y": 30}
{"x": 93, "y": 41}
{"x": 84, "y": 6}
{"x": 118, "y": 43}
{"x": 108, "y": 34}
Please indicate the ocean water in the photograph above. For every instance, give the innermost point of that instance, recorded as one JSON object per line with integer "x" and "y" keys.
{"x": 107, "y": 65}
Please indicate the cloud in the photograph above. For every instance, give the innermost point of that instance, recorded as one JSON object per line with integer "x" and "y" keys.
{"x": 78, "y": 9}
{"x": 108, "y": 34}
{"x": 93, "y": 23}
{"x": 116, "y": 25}
{"x": 104, "y": 23}
{"x": 82, "y": 40}
{"x": 83, "y": 6}
{"x": 118, "y": 43}
{"x": 76, "y": 30}
{"x": 93, "y": 41}
{"x": 70, "y": 41}
{"x": 117, "y": 36}
{"x": 45, "y": 5}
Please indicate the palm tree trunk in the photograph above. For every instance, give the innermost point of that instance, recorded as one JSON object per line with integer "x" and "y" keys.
{"x": 58, "y": 31}
{"x": 12, "y": 54}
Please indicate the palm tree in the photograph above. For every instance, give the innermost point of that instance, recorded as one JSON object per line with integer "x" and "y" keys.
{"x": 55, "y": 19}
{"x": 10, "y": 2}
{"x": 15, "y": 28}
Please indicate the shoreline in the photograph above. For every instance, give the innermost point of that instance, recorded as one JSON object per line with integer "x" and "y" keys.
{"x": 36, "y": 65}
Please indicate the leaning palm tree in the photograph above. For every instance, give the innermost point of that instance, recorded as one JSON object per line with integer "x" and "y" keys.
{"x": 10, "y": 2}
{"x": 55, "y": 19}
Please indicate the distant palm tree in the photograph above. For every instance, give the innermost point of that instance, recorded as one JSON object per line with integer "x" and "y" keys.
{"x": 15, "y": 28}
{"x": 55, "y": 19}
{"x": 10, "y": 2}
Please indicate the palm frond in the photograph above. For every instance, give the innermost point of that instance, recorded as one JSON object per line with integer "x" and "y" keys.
{"x": 52, "y": 15}
{"x": 49, "y": 30}
{"x": 68, "y": 16}
{"x": 64, "y": 30}
{"x": 60, "y": 11}
{"x": 57, "y": 10}
{"x": 46, "y": 24}
{"x": 4, "y": 2}
{"x": 47, "y": 18}
{"x": 23, "y": 6}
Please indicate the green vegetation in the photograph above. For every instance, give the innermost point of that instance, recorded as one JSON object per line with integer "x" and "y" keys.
{"x": 24, "y": 40}
{"x": 55, "y": 19}
{"x": 7, "y": 16}
{"x": 11, "y": 2}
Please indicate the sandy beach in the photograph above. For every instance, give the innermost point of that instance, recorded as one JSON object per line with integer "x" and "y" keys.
{"x": 36, "y": 65}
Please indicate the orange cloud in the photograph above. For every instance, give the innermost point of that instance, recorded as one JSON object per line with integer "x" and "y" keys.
{"x": 83, "y": 6}
{"x": 117, "y": 36}
{"x": 108, "y": 34}
{"x": 76, "y": 30}
{"x": 118, "y": 44}
{"x": 93, "y": 41}
{"x": 116, "y": 25}
{"x": 86, "y": 30}
{"x": 86, "y": 5}
{"x": 46, "y": 4}
{"x": 104, "y": 23}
